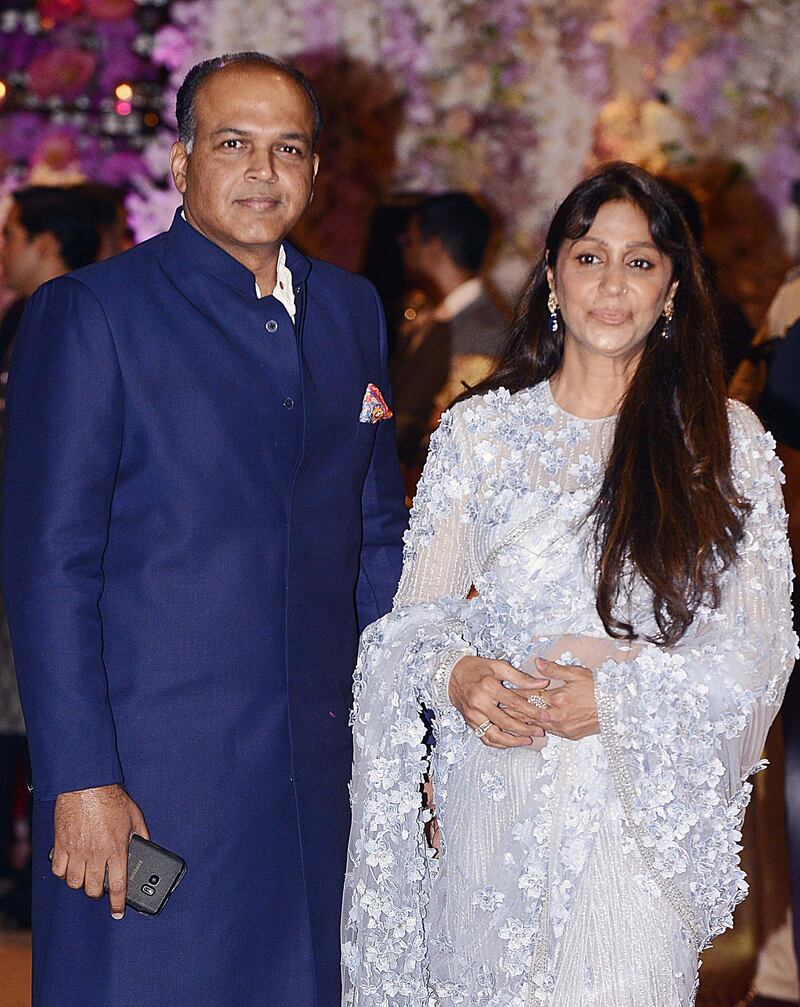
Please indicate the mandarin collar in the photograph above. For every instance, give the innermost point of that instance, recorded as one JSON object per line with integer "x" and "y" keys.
{"x": 186, "y": 243}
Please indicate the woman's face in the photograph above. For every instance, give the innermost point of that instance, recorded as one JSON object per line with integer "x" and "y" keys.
{"x": 612, "y": 284}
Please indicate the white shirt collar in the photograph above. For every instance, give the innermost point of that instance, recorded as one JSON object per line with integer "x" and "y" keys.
{"x": 284, "y": 284}
{"x": 465, "y": 294}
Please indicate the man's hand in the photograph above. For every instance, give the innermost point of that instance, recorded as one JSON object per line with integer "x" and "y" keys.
{"x": 93, "y": 829}
{"x": 572, "y": 708}
{"x": 477, "y": 691}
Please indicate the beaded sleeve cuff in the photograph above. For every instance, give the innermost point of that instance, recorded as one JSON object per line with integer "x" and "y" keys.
{"x": 444, "y": 669}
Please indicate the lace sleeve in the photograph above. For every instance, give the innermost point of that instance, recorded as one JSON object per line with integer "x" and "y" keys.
{"x": 684, "y": 727}
{"x": 404, "y": 664}
{"x": 436, "y": 560}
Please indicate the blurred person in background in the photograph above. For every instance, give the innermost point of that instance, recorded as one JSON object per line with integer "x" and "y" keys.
{"x": 779, "y": 408}
{"x": 768, "y": 380}
{"x": 106, "y": 205}
{"x": 749, "y": 381}
{"x": 734, "y": 327}
{"x": 47, "y": 233}
{"x": 454, "y": 342}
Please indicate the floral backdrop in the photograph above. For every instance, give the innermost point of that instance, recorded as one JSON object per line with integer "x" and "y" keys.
{"x": 509, "y": 98}
{"x": 61, "y": 64}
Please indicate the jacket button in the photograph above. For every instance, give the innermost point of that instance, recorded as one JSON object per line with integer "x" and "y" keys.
{"x": 272, "y": 325}
{"x": 288, "y": 403}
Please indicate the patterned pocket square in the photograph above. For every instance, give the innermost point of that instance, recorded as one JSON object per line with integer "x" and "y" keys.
{"x": 374, "y": 407}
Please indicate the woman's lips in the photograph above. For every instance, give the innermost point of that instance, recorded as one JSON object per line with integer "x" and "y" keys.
{"x": 610, "y": 317}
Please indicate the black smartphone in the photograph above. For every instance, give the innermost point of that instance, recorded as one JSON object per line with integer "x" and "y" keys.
{"x": 153, "y": 875}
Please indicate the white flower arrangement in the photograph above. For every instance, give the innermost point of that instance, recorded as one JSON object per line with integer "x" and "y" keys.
{"x": 516, "y": 100}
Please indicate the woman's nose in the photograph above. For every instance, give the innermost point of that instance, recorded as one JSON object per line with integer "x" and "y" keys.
{"x": 612, "y": 280}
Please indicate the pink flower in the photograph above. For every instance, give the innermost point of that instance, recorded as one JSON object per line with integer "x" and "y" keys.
{"x": 57, "y": 148}
{"x": 118, "y": 168}
{"x": 59, "y": 10}
{"x": 61, "y": 72}
{"x": 779, "y": 168}
{"x": 151, "y": 213}
{"x": 110, "y": 10}
{"x": 170, "y": 47}
{"x": 703, "y": 92}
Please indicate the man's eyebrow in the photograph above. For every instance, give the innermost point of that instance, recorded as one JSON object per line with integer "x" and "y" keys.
{"x": 230, "y": 129}
{"x": 303, "y": 137}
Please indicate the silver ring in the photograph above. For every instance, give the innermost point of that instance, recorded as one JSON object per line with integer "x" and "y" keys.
{"x": 481, "y": 729}
{"x": 536, "y": 700}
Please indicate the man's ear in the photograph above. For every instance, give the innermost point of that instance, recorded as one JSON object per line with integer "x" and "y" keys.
{"x": 46, "y": 245}
{"x": 178, "y": 164}
{"x": 314, "y": 177}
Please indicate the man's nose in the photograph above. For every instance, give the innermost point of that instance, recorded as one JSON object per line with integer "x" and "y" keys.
{"x": 262, "y": 165}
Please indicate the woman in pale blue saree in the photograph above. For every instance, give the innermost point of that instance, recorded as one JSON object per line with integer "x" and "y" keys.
{"x": 595, "y": 606}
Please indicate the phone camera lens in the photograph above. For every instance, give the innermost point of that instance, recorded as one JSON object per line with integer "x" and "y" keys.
{"x": 154, "y": 879}
{"x": 148, "y": 890}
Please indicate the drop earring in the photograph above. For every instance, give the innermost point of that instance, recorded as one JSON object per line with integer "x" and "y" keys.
{"x": 552, "y": 305}
{"x": 669, "y": 311}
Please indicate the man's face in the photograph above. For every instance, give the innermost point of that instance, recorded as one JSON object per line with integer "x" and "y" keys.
{"x": 20, "y": 255}
{"x": 418, "y": 253}
{"x": 250, "y": 173}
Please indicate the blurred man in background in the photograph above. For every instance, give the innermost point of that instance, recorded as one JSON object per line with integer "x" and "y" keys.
{"x": 46, "y": 233}
{"x": 106, "y": 205}
{"x": 735, "y": 328}
{"x": 779, "y": 407}
{"x": 455, "y": 342}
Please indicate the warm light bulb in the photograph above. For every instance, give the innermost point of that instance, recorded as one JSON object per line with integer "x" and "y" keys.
{"x": 3, "y": 89}
{"x": 124, "y": 92}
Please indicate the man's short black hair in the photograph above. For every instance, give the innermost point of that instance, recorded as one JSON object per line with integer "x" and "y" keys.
{"x": 63, "y": 213}
{"x": 104, "y": 202}
{"x": 460, "y": 223}
{"x": 187, "y": 93}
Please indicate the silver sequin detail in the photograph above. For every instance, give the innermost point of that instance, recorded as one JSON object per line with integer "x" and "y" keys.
{"x": 624, "y": 787}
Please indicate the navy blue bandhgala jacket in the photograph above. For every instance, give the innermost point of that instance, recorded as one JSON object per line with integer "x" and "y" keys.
{"x": 195, "y": 525}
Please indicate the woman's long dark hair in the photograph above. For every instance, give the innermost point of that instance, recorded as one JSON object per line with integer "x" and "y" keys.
{"x": 668, "y": 508}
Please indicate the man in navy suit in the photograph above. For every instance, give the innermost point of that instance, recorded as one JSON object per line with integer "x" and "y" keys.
{"x": 203, "y": 505}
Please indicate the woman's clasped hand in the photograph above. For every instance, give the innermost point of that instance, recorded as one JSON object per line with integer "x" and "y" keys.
{"x": 484, "y": 690}
{"x": 478, "y": 692}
